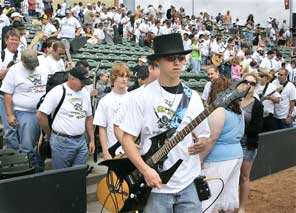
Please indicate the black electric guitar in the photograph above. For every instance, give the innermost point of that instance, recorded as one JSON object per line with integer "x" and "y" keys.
{"x": 135, "y": 196}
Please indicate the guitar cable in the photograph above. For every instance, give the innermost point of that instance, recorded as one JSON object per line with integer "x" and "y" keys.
{"x": 211, "y": 179}
{"x": 113, "y": 187}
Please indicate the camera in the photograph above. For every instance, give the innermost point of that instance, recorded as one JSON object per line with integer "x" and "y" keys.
{"x": 202, "y": 188}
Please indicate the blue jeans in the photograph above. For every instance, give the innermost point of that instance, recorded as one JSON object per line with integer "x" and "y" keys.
{"x": 195, "y": 65}
{"x": 184, "y": 201}
{"x": 25, "y": 136}
{"x": 4, "y": 120}
{"x": 67, "y": 152}
{"x": 204, "y": 59}
{"x": 280, "y": 123}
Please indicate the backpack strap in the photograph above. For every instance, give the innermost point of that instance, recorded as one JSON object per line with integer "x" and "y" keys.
{"x": 2, "y": 55}
{"x": 59, "y": 105}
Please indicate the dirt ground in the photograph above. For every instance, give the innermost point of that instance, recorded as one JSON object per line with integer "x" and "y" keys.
{"x": 274, "y": 194}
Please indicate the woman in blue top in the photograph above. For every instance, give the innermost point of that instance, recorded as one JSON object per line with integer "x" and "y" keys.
{"x": 224, "y": 154}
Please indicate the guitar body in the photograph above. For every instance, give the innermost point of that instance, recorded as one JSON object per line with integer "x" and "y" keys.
{"x": 126, "y": 173}
{"x": 217, "y": 60}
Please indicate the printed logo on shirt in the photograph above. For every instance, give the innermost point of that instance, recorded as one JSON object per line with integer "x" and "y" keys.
{"x": 37, "y": 83}
{"x": 164, "y": 116}
{"x": 78, "y": 112}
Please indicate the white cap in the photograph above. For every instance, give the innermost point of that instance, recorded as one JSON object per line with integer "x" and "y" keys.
{"x": 16, "y": 14}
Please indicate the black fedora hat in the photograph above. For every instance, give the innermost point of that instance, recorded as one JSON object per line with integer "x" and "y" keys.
{"x": 170, "y": 44}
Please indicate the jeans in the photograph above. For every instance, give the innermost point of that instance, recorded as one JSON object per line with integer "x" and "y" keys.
{"x": 184, "y": 201}
{"x": 280, "y": 123}
{"x": 25, "y": 136}
{"x": 67, "y": 152}
{"x": 225, "y": 70}
{"x": 249, "y": 36}
{"x": 204, "y": 59}
{"x": 4, "y": 119}
{"x": 195, "y": 66}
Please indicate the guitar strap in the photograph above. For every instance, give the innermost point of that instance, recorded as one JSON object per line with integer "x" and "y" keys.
{"x": 182, "y": 108}
{"x": 178, "y": 116}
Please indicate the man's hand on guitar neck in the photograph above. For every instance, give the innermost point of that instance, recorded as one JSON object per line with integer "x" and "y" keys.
{"x": 198, "y": 145}
{"x": 152, "y": 178}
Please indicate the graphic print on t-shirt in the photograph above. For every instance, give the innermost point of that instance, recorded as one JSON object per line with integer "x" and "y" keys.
{"x": 164, "y": 116}
{"x": 37, "y": 83}
{"x": 77, "y": 104}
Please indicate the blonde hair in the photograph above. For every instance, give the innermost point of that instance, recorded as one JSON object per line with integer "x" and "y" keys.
{"x": 119, "y": 70}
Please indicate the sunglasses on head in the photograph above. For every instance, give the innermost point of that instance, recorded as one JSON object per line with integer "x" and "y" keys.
{"x": 174, "y": 57}
{"x": 252, "y": 83}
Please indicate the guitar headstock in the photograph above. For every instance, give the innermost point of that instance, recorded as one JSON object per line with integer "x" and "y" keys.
{"x": 225, "y": 98}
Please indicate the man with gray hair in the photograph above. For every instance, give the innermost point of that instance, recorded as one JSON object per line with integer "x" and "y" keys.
{"x": 23, "y": 86}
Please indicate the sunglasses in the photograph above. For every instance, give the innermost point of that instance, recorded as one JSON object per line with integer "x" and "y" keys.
{"x": 252, "y": 83}
{"x": 281, "y": 74}
{"x": 172, "y": 58}
{"x": 262, "y": 76}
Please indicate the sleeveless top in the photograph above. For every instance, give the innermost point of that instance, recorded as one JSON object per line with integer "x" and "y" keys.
{"x": 228, "y": 146}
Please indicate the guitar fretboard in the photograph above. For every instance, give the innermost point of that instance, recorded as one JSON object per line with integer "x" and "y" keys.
{"x": 171, "y": 143}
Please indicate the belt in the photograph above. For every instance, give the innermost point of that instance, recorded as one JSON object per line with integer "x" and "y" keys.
{"x": 65, "y": 135}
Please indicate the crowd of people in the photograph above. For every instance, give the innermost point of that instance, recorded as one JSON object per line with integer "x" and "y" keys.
{"x": 224, "y": 145}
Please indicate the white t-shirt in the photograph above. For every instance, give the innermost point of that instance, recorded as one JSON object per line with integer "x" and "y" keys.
{"x": 8, "y": 58}
{"x": 99, "y": 33}
{"x": 71, "y": 117}
{"x": 48, "y": 29}
{"x": 26, "y": 87}
{"x": 292, "y": 73}
{"x": 54, "y": 65}
{"x": 268, "y": 104}
{"x": 143, "y": 116}
{"x": 267, "y": 64}
{"x": 105, "y": 114}
{"x": 288, "y": 94}
{"x": 68, "y": 27}
{"x": 206, "y": 91}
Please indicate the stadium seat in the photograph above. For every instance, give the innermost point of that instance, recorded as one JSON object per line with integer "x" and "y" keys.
{"x": 13, "y": 164}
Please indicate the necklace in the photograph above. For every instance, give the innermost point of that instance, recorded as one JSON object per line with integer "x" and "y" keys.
{"x": 170, "y": 103}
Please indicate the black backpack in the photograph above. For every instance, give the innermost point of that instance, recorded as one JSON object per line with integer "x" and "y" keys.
{"x": 56, "y": 79}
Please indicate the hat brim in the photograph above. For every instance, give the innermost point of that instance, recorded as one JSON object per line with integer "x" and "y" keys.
{"x": 159, "y": 55}
{"x": 86, "y": 81}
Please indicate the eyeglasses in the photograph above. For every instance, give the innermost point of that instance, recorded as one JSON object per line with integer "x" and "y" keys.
{"x": 252, "y": 83}
{"x": 172, "y": 58}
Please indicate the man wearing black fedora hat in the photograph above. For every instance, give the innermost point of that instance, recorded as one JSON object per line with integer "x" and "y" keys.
{"x": 154, "y": 111}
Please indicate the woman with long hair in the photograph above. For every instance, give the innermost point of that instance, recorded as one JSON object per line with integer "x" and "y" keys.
{"x": 223, "y": 155}
{"x": 253, "y": 114}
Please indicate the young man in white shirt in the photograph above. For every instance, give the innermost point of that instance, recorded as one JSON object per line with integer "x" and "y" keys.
{"x": 269, "y": 96}
{"x": 54, "y": 60}
{"x": 284, "y": 109}
{"x": 73, "y": 120}
{"x": 23, "y": 87}
{"x": 49, "y": 30}
{"x": 109, "y": 106}
{"x": 70, "y": 27}
{"x": 149, "y": 113}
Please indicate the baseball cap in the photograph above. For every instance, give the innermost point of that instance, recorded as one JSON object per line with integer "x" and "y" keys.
{"x": 16, "y": 14}
{"x": 67, "y": 10}
{"x": 6, "y": 3}
{"x": 82, "y": 74}
{"x": 29, "y": 59}
{"x": 44, "y": 16}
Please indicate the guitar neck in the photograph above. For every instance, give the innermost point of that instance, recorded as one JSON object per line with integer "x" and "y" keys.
{"x": 179, "y": 136}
